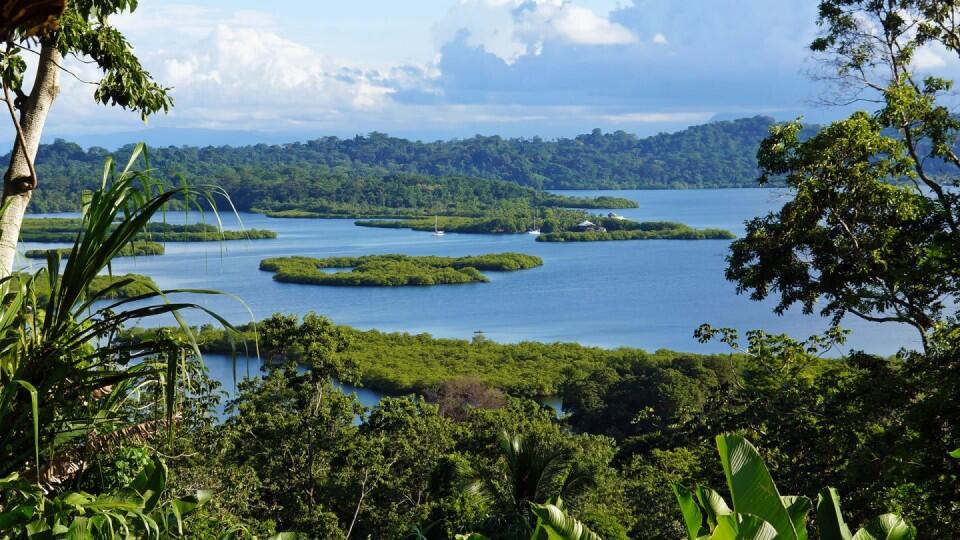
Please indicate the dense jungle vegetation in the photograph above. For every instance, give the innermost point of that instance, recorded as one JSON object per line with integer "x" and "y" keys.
{"x": 305, "y": 179}
{"x": 378, "y": 175}
{"x": 637, "y": 422}
{"x": 395, "y": 270}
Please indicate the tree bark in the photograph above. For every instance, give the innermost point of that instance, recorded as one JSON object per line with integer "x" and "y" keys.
{"x": 18, "y": 184}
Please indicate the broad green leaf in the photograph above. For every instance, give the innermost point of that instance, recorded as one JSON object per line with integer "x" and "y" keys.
{"x": 36, "y": 527}
{"x": 692, "y": 517}
{"x": 955, "y": 453}
{"x": 16, "y": 516}
{"x": 798, "y": 508}
{"x": 79, "y": 529}
{"x": 742, "y": 527}
{"x": 887, "y": 527}
{"x": 36, "y": 421}
{"x": 185, "y": 505}
{"x": 751, "y": 487}
{"x": 122, "y": 499}
{"x": 554, "y": 524}
{"x": 9, "y": 479}
{"x": 829, "y": 518}
{"x": 713, "y": 505}
{"x": 150, "y": 482}
{"x": 77, "y": 498}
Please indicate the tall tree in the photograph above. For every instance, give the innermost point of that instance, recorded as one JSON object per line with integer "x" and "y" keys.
{"x": 873, "y": 229}
{"x": 52, "y": 31}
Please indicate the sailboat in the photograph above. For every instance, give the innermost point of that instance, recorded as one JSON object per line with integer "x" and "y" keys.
{"x": 436, "y": 226}
{"x": 535, "y": 230}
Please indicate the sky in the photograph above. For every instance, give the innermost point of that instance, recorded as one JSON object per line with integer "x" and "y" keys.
{"x": 427, "y": 69}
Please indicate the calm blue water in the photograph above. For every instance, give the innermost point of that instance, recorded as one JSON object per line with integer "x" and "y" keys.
{"x": 647, "y": 294}
{"x": 228, "y": 372}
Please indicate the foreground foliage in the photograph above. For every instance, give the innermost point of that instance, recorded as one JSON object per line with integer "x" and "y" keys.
{"x": 101, "y": 287}
{"x": 759, "y": 511}
{"x": 392, "y": 473}
{"x": 70, "y": 393}
{"x": 137, "y": 510}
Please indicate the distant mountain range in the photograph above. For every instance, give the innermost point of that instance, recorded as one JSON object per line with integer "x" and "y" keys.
{"x": 717, "y": 154}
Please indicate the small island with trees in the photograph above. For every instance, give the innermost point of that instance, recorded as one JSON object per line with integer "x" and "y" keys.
{"x": 50, "y": 230}
{"x": 139, "y": 248}
{"x": 601, "y": 229}
{"x": 490, "y": 223}
{"x": 395, "y": 270}
{"x": 554, "y": 225}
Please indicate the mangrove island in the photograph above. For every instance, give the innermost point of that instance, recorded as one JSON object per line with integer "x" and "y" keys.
{"x": 395, "y": 270}
{"x": 50, "y": 230}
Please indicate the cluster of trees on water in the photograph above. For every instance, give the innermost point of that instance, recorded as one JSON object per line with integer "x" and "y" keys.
{"x": 504, "y": 220}
{"x": 400, "y": 363}
{"x": 51, "y": 230}
{"x": 139, "y": 248}
{"x": 395, "y": 270}
{"x": 624, "y": 229}
{"x": 556, "y": 224}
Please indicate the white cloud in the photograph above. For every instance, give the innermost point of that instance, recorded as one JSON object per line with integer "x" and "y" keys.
{"x": 233, "y": 70}
{"x": 563, "y": 20}
{"x": 926, "y": 58}
{"x": 243, "y": 76}
{"x": 511, "y": 29}
{"x": 246, "y": 71}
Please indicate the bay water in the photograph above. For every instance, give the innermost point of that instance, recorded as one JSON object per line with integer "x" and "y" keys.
{"x": 646, "y": 294}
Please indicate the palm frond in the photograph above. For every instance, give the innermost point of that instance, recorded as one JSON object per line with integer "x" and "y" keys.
{"x": 64, "y": 346}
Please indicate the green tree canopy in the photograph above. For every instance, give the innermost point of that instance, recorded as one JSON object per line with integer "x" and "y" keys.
{"x": 872, "y": 229}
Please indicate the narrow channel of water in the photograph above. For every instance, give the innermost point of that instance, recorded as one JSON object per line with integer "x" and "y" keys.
{"x": 228, "y": 372}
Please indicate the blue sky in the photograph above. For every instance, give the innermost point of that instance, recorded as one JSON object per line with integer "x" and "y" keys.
{"x": 450, "y": 68}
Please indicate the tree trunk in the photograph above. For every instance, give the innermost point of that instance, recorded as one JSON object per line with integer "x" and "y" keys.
{"x": 17, "y": 183}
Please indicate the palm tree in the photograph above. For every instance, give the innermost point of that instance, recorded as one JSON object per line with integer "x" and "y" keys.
{"x": 64, "y": 380}
{"x": 530, "y": 473}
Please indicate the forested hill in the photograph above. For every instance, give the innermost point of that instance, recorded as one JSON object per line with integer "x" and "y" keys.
{"x": 719, "y": 154}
